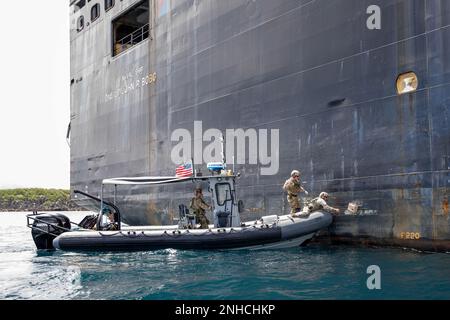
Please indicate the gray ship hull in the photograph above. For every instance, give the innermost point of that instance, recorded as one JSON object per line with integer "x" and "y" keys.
{"x": 312, "y": 70}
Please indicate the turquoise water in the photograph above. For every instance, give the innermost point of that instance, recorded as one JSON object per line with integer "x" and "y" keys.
{"x": 315, "y": 272}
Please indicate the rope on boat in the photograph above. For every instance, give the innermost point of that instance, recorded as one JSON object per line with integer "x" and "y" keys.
{"x": 109, "y": 235}
{"x": 222, "y": 231}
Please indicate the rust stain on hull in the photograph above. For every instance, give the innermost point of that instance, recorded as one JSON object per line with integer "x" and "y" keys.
{"x": 422, "y": 244}
{"x": 445, "y": 207}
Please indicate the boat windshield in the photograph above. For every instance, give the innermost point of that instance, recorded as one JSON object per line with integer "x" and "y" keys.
{"x": 94, "y": 204}
{"x": 223, "y": 191}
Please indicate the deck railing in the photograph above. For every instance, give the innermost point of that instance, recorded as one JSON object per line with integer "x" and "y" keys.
{"x": 132, "y": 39}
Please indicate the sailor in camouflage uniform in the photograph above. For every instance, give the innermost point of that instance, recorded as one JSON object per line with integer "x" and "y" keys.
{"x": 198, "y": 205}
{"x": 293, "y": 187}
{"x": 320, "y": 203}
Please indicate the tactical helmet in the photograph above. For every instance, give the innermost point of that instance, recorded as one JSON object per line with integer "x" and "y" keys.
{"x": 295, "y": 173}
{"x": 323, "y": 195}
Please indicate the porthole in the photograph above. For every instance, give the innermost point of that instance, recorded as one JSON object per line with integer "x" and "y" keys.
{"x": 407, "y": 82}
{"x": 109, "y": 4}
{"x": 95, "y": 12}
{"x": 80, "y": 23}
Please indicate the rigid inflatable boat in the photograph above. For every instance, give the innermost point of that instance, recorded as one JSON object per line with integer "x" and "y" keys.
{"x": 274, "y": 232}
{"x": 56, "y": 231}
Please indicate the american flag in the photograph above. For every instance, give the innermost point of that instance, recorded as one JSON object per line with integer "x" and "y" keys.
{"x": 184, "y": 170}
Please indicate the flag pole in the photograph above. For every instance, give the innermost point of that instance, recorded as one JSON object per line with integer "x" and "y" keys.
{"x": 223, "y": 152}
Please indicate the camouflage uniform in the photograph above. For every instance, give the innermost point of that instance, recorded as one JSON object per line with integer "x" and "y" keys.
{"x": 318, "y": 204}
{"x": 198, "y": 205}
{"x": 293, "y": 188}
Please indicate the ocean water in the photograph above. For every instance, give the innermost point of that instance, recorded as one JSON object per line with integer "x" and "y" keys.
{"x": 313, "y": 272}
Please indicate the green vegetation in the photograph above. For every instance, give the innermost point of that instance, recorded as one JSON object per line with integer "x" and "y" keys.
{"x": 34, "y": 194}
{"x": 35, "y": 199}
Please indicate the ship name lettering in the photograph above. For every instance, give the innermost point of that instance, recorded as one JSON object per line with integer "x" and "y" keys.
{"x": 130, "y": 84}
{"x": 149, "y": 79}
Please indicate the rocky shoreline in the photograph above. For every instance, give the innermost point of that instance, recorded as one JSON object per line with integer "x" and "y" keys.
{"x": 28, "y": 200}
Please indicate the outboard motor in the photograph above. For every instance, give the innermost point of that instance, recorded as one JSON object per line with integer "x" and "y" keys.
{"x": 47, "y": 227}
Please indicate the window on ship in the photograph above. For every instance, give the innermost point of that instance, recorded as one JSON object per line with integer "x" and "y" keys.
{"x": 95, "y": 12}
{"x": 80, "y": 23}
{"x": 79, "y": 5}
{"x": 109, "y": 4}
{"x": 131, "y": 28}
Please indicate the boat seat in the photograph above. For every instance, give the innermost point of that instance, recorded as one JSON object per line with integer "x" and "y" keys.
{"x": 183, "y": 211}
{"x": 223, "y": 219}
{"x": 186, "y": 216}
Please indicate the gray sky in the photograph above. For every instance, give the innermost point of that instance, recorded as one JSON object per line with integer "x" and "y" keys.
{"x": 35, "y": 94}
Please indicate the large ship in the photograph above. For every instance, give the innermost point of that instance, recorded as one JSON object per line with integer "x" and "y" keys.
{"x": 354, "y": 94}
